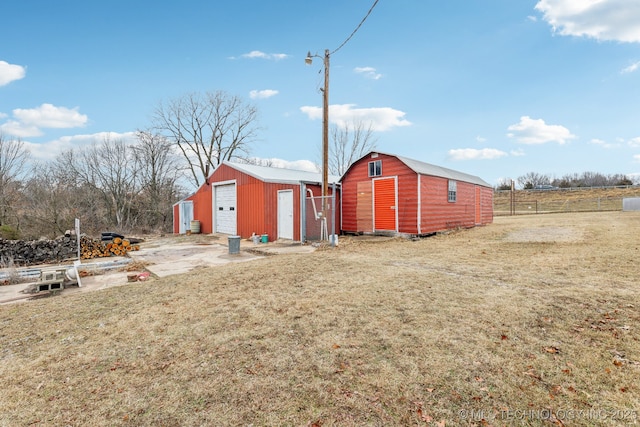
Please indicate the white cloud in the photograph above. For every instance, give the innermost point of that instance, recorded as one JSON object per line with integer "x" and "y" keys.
{"x": 50, "y": 116}
{"x": 300, "y": 165}
{"x": 262, "y": 94}
{"x": 603, "y": 144}
{"x": 21, "y": 130}
{"x": 343, "y": 115}
{"x": 262, "y": 55}
{"x": 481, "y": 139}
{"x": 634, "y": 142}
{"x": 636, "y": 158}
{"x": 631, "y": 68}
{"x": 536, "y": 131}
{"x": 49, "y": 150}
{"x": 532, "y": 18}
{"x": 517, "y": 153}
{"x": 615, "y": 20}
{"x": 28, "y": 122}
{"x": 10, "y": 72}
{"x": 368, "y": 72}
{"x": 476, "y": 154}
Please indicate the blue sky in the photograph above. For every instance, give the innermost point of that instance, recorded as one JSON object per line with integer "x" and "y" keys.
{"x": 495, "y": 88}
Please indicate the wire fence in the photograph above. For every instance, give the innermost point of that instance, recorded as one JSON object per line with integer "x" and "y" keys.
{"x": 316, "y": 227}
{"x": 596, "y": 204}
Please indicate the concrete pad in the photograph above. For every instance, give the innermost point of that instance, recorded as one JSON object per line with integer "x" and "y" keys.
{"x": 163, "y": 256}
{"x": 170, "y": 259}
{"x": 19, "y": 292}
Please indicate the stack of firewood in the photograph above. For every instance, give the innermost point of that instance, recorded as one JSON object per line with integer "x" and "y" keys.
{"x": 93, "y": 248}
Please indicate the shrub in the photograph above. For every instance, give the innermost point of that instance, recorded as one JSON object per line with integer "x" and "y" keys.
{"x": 9, "y": 233}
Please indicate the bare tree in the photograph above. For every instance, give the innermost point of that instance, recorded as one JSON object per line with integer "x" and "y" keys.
{"x": 503, "y": 184}
{"x": 50, "y": 202}
{"x": 349, "y": 143}
{"x": 533, "y": 179}
{"x": 257, "y": 162}
{"x": 13, "y": 158}
{"x": 158, "y": 175}
{"x": 111, "y": 170}
{"x": 208, "y": 128}
{"x": 592, "y": 179}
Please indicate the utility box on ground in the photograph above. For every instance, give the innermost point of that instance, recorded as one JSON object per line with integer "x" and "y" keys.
{"x": 631, "y": 204}
{"x": 234, "y": 245}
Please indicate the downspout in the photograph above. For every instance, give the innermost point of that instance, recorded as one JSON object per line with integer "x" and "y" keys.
{"x": 313, "y": 202}
{"x": 333, "y": 212}
{"x": 419, "y": 207}
{"x": 303, "y": 213}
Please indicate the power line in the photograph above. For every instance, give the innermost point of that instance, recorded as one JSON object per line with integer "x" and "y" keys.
{"x": 357, "y": 28}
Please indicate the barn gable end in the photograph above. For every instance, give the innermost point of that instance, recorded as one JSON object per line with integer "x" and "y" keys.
{"x": 387, "y": 194}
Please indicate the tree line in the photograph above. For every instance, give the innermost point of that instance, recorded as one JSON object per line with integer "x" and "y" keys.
{"x": 126, "y": 186}
{"x": 532, "y": 180}
{"x": 109, "y": 184}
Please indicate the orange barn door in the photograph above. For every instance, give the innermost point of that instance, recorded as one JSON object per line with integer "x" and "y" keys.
{"x": 384, "y": 204}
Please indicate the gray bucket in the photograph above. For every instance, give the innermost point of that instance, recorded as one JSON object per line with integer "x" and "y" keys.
{"x": 234, "y": 245}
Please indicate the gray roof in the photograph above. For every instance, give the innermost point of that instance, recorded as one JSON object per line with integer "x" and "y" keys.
{"x": 423, "y": 168}
{"x": 280, "y": 175}
{"x": 433, "y": 170}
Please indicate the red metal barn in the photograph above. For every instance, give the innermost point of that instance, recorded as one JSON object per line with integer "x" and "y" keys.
{"x": 240, "y": 199}
{"x": 389, "y": 194}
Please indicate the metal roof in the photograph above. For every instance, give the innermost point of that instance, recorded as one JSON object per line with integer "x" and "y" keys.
{"x": 280, "y": 175}
{"x": 423, "y": 168}
{"x": 434, "y": 170}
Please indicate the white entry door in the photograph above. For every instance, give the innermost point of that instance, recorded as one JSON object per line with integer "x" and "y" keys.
{"x": 185, "y": 210}
{"x": 285, "y": 214}
{"x": 225, "y": 209}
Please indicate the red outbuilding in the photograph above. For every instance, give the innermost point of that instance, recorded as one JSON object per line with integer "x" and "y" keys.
{"x": 390, "y": 194}
{"x": 241, "y": 199}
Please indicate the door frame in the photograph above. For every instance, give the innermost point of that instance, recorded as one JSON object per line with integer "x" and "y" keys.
{"x": 395, "y": 205}
{"x": 282, "y": 215}
{"x": 214, "y": 210}
{"x": 183, "y": 225}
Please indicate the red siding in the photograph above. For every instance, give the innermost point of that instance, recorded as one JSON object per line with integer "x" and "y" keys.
{"x": 202, "y": 207}
{"x": 407, "y": 194}
{"x": 176, "y": 219}
{"x": 436, "y": 212}
{"x": 440, "y": 214}
{"x": 486, "y": 203}
{"x": 271, "y": 209}
{"x": 256, "y": 203}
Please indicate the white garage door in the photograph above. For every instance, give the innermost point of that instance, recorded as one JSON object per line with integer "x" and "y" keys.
{"x": 225, "y": 209}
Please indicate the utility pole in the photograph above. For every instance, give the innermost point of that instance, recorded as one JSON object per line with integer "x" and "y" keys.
{"x": 325, "y": 136}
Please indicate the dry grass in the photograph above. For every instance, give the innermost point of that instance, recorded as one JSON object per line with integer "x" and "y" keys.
{"x": 503, "y": 322}
{"x": 563, "y": 200}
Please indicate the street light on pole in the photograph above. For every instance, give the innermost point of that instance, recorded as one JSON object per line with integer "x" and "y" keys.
{"x": 325, "y": 128}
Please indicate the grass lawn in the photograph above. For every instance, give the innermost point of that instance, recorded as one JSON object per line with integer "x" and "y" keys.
{"x": 531, "y": 317}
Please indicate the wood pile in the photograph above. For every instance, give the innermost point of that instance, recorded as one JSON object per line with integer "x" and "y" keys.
{"x": 93, "y": 248}
{"x": 29, "y": 252}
